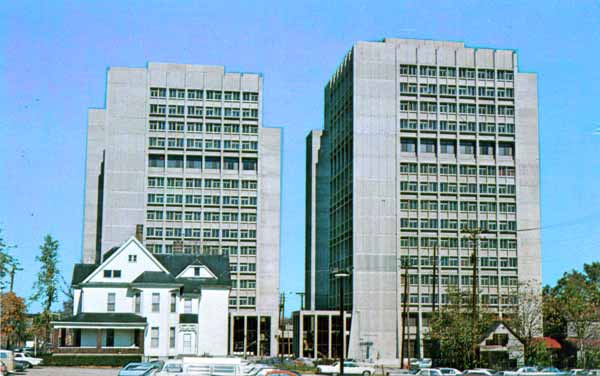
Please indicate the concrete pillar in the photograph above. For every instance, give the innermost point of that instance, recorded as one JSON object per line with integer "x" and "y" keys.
{"x": 245, "y": 335}
{"x": 329, "y": 337}
{"x": 258, "y": 349}
{"x": 316, "y": 326}
{"x": 301, "y": 335}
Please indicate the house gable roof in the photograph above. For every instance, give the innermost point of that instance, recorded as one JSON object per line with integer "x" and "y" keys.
{"x": 131, "y": 244}
{"x": 494, "y": 327}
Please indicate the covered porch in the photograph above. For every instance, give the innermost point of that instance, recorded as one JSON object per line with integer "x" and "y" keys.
{"x": 99, "y": 333}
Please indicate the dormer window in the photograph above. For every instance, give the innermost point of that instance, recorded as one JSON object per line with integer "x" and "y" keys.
{"x": 112, "y": 274}
{"x": 132, "y": 258}
{"x": 196, "y": 271}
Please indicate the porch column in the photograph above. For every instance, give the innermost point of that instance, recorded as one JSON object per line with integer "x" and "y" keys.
{"x": 98, "y": 339}
{"x": 140, "y": 335}
{"x": 55, "y": 337}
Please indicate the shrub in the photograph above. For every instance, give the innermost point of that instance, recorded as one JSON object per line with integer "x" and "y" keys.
{"x": 89, "y": 360}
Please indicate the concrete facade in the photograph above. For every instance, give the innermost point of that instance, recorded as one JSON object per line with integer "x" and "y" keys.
{"x": 180, "y": 155}
{"x": 424, "y": 140}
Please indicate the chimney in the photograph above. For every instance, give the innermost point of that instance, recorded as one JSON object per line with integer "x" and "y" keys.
{"x": 139, "y": 232}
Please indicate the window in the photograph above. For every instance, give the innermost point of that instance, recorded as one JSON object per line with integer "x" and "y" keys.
{"x": 506, "y": 149}
{"x": 155, "y": 302}
{"x": 250, "y": 97}
{"x": 467, "y": 148}
{"x": 486, "y": 148}
{"x": 249, "y": 164}
{"x": 187, "y": 305}
{"x": 137, "y": 303}
{"x": 194, "y": 162}
{"x": 154, "y": 337}
{"x": 173, "y": 302}
{"x": 175, "y": 161}
{"x": 110, "y": 302}
{"x": 158, "y": 92}
{"x": 408, "y": 70}
{"x": 172, "y": 337}
{"x": 408, "y": 145}
{"x": 132, "y": 258}
{"x": 213, "y": 95}
{"x": 212, "y": 163}
{"x": 155, "y": 160}
{"x": 447, "y": 147}
{"x": 428, "y": 146}
{"x": 112, "y": 274}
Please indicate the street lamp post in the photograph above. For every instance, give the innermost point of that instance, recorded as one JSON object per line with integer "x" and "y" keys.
{"x": 340, "y": 275}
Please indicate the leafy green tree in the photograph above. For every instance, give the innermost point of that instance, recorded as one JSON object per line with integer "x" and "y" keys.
{"x": 47, "y": 285}
{"x": 451, "y": 329}
{"x": 572, "y": 307}
{"x": 8, "y": 262}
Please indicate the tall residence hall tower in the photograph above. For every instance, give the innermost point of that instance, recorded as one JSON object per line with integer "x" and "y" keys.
{"x": 422, "y": 141}
{"x": 179, "y": 157}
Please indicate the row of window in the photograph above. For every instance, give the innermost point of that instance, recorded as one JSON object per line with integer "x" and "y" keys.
{"x": 463, "y": 126}
{"x": 197, "y": 144}
{"x": 196, "y": 162}
{"x": 463, "y": 170}
{"x": 243, "y": 284}
{"x": 199, "y": 111}
{"x": 453, "y": 261}
{"x": 469, "y": 73}
{"x": 454, "y": 206}
{"x": 453, "y": 280}
{"x": 197, "y": 233}
{"x": 453, "y": 224}
{"x": 198, "y": 200}
{"x": 249, "y": 301}
{"x": 195, "y": 127}
{"x": 196, "y": 216}
{"x": 197, "y": 94}
{"x": 484, "y": 299}
{"x": 207, "y": 249}
{"x": 453, "y": 108}
{"x": 452, "y": 90}
{"x": 452, "y": 243}
{"x": 242, "y": 267}
{"x": 466, "y": 188}
{"x": 159, "y": 182}
{"x": 466, "y": 147}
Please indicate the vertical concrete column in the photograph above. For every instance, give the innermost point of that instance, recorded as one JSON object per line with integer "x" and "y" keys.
{"x": 258, "y": 349}
{"x": 301, "y": 335}
{"x": 316, "y": 336}
{"x": 329, "y": 337}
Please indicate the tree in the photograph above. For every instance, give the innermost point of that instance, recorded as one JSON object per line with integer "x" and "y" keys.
{"x": 572, "y": 307}
{"x": 526, "y": 317}
{"x": 451, "y": 328}
{"x": 8, "y": 263}
{"x": 13, "y": 319}
{"x": 47, "y": 285}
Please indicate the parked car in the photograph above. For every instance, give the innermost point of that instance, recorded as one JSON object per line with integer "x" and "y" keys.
{"x": 3, "y": 369}
{"x": 478, "y": 372}
{"x": 578, "y": 372}
{"x": 281, "y": 372}
{"x": 350, "y": 368}
{"x": 140, "y": 369}
{"x": 594, "y": 372}
{"x": 171, "y": 368}
{"x": 429, "y": 372}
{"x": 7, "y": 357}
{"x": 304, "y": 362}
{"x": 29, "y": 360}
{"x": 420, "y": 363}
{"x": 19, "y": 366}
{"x": 450, "y": 371}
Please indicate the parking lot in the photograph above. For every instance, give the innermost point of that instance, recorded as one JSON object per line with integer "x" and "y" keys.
{"x": 69, "y": 371}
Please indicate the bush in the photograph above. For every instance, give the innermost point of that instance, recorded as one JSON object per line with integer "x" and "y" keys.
{"x": 89, "y": 360}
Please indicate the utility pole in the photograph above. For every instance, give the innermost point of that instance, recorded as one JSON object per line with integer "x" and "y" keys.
{"x": 341, "y": 275}
{"x": 435, "y": 278}
{"x": 281, "y": 323}
{"x": 404, "y": 347}
{"x": 474, "y": 236}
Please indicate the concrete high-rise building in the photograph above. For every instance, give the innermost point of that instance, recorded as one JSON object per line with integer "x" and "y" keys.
{"x": 179, "y": 157}
{"x": 422, "y": 141}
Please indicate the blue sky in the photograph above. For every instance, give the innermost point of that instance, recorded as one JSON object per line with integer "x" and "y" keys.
{"x": 54, "y": 58}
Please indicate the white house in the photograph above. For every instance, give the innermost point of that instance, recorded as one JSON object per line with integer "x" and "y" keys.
{"x": 157, "y": 306}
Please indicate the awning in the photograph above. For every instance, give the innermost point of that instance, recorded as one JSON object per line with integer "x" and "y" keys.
{"x": 101, "y": 321}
